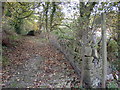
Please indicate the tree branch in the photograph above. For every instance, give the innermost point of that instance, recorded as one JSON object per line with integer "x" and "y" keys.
{"x": 26, "y": 16}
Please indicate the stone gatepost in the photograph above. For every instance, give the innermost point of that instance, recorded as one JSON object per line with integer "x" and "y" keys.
{"x": 88, "y": 65}
{"x": 93, "y": 70}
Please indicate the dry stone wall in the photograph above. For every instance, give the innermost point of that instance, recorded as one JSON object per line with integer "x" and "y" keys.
{"x": 93, "y": 64}
{"x": 93, "y": 68}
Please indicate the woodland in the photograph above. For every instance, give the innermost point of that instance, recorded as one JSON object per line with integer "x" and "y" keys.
{"x": 60, "y": 45}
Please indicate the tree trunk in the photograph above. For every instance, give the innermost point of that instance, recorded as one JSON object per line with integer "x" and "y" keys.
{"x": 83, "y": 62}
{"x": 104, "y": 49}
{"x": 2, "y": 4}
{"x": 0, "y": 22}
{"x": 46, "y": 19}
{"x": 84, "y": 11}
{"x": 52, "y": 14}
{"x": 118, "y": 41}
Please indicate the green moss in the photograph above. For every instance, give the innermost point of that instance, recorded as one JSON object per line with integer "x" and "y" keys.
{"x": 14, "y": 85}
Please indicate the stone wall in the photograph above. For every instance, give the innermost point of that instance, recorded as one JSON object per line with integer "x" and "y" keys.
{"x": 93, "y": 68}
{"x": 93, "y": 64}
{"x": 66, "y": 51}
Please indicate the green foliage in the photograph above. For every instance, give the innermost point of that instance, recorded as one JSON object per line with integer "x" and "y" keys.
{"x": 14, "y": 37}
{"x": 17, "y": 11}
{"x": 113, "y": 46}
{"x": 112, "y": 84}
{"x": 116, "y": 63}
{"x": 17, "y": 25}
{"x": 64, "y": 33}
{"x": 7, "y": 23}
{"x": 113, "y": 54}
{"x": 29, "y": 24}
{"x": 8, "y": 13}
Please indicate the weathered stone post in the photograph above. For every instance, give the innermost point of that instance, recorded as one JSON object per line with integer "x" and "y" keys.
{"x": 88, "y": 65}
{"x": 93, "y": 65}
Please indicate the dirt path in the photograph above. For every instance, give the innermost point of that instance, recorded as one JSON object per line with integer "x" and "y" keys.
{"x": 38, "y": 64}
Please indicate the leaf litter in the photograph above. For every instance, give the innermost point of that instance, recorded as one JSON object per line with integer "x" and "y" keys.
{"x": 37, "y": 64}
